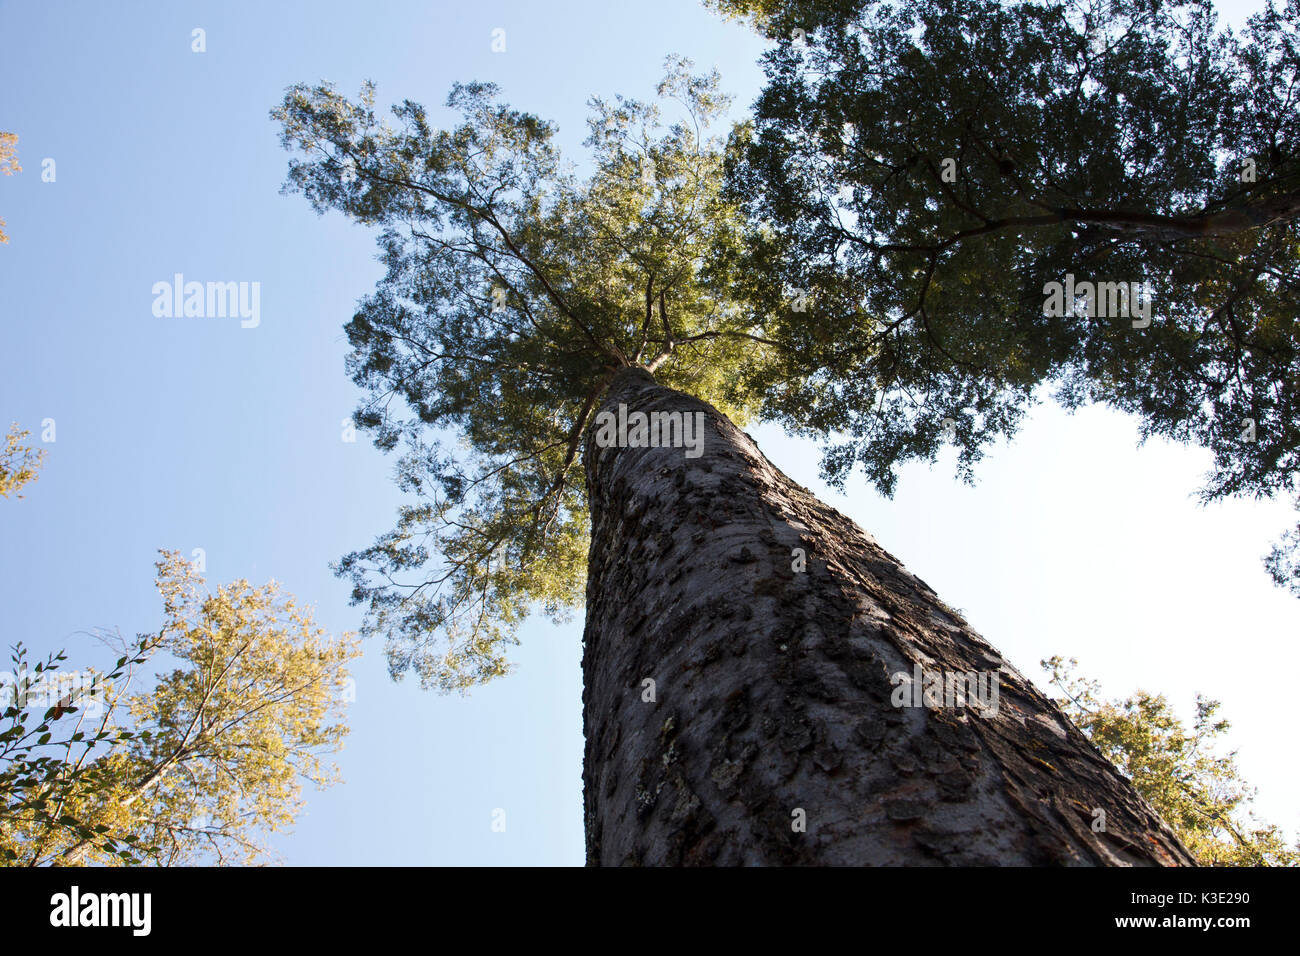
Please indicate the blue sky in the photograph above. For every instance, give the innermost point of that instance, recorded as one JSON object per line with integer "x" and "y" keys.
{"x": 197, "y": 433}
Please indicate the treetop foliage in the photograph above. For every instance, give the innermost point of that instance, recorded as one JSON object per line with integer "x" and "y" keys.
{"x": 19, "y": 463}
{"x": 513, "y": 292}
{"x": 8, "y": 166}
{"x": 922, "y": 169}
{"x": 194, "y": 770}
{"x": 1197, "y": 790}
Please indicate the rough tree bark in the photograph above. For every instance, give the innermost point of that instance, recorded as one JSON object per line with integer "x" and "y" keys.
{"x": 773, "y": 692}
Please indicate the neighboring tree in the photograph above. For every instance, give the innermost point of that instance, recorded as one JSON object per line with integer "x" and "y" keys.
{"x": 926, "y": 168}
{"x": 1199, "y": 792}
{"x": 8, "y": 166}
{"x": 1283, "y": 561}
{"x": 195, "y": 770}
{"x": 744, "y": 643}
{"x": 18, "y": 462}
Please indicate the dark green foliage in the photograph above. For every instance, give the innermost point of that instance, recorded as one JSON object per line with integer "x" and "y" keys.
{"x": 1105, "y": 139}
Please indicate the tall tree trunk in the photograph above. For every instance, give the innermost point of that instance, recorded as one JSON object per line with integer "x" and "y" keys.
{"x": 773, "y": 736}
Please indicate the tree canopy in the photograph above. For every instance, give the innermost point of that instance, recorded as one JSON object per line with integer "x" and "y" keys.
{"x": 8, "y": 166}
{"x": 19, "y": 462}
{"x": 195, "y": 769}
{"x": 1196, "y": 789}
{"x": 514, "y": 290}
{"x": 921, "y": 172}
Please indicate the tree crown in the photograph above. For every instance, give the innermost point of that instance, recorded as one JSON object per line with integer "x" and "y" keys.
{"x": 514, "y": 291}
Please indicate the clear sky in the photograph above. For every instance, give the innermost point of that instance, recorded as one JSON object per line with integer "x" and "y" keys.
{"x": 197, "y": 433}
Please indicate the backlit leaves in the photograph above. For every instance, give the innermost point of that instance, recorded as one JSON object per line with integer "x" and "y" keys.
{"x": 199, "y": 767}
{"x": 513, "y": 291}
{"x": 18, "y": 462}
{"x": 1195, "y": 789}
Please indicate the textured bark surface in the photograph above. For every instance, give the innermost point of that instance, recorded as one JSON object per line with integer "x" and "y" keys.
{"x": 773, "y": 689}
